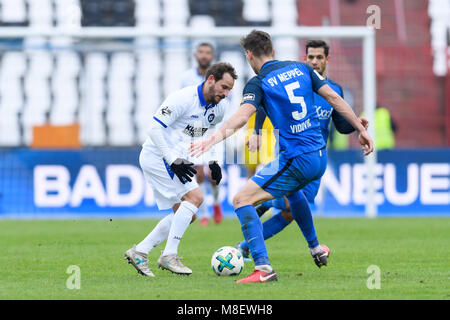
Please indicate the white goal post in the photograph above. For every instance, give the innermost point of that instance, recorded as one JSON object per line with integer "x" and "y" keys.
{"x": 366, "y": 34}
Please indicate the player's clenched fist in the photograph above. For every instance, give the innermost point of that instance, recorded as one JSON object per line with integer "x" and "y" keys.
{"x": 216, "y": 171}
{"x": 183, "y": 169}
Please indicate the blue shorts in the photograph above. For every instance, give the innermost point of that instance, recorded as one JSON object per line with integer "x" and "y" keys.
{"x": 283, "y": 176}
{"x": 309, "y": 190}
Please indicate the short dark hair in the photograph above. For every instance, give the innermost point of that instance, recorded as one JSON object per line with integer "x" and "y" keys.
{"x": 258, "y": 42}
{"x": 206, "y": 44}
{"x": 218, "y": 69}
{"x": 318, "y": 44}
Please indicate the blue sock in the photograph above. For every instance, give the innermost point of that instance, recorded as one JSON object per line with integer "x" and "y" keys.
{"x": 274, "y": 225}
{"x": 252, "y": 229}
{"x": 271, "y": 227}
{"x": 267, "y": 204}
{"x": 302, "y": 215}
{"x": 264, "y": 206}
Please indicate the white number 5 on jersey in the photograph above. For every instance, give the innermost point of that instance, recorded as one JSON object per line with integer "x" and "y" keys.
{"x": 296, "y": 99}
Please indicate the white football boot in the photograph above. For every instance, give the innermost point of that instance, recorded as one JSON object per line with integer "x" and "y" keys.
{"x": 139, "y": 261}
{"x": 172, "y": 263}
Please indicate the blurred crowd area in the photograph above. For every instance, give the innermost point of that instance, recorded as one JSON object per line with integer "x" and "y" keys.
{"x": 110, "y": 88}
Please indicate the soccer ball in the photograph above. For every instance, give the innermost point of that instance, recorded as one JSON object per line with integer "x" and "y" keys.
{"x": 227, "y": 261}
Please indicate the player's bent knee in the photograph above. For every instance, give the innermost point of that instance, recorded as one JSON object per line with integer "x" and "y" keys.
{"x": 196, "y": 200}
{"x": 243, "y": 199}
{"x": 287, "y": 215}
{"x": 251, "y": 195}
{"x": 239, "y": 200}
{"x": 195, "y": 197}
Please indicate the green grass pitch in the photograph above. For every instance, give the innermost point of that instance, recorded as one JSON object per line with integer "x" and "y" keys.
{"x": 413, "y": 255}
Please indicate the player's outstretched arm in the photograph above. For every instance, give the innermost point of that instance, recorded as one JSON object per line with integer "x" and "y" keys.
{"x": 237, "y": 121}
{"x": 254, "y": 142}
{"x": 346, "y": 111}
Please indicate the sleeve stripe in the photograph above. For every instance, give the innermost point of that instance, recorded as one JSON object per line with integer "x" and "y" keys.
{"x": 253, "y": 103}
{"x": 162, "y": 123}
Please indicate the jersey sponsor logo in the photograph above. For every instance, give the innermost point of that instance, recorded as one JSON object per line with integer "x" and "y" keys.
{"x": 300, "y": 127}
{"x": 211, "y": 117}
{"x": 323, "y": 114}
{"x": 194, "y": 116}
{"x": 248, "y": 97}
{"x": 165, "y": 111}
{"x": 194, "y": 132}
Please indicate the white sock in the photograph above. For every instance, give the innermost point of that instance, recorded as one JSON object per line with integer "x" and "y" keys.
{"x": 158, "y": 235}
{"x": 316, "y": 250}
{"x": 203, "y": 209}
{"x": 181, "y": 220}
{"x": 215, "y": 192}
{"x": 265, "y": 267}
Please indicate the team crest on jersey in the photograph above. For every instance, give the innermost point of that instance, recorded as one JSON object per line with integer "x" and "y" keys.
{"x": 211, "y": 117}
{"x": 193, "y": 131}
{"x": 248, "y": 97}
{"x": 166, "y": 111}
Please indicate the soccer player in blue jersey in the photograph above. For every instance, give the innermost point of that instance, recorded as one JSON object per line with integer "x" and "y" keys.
{"x": 284, "y": 90}
{"x": 317, "y": 56}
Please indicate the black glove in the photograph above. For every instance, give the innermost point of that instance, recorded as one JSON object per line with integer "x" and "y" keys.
{"x": 183, "y": 169}
{"x": 216, "y": 171}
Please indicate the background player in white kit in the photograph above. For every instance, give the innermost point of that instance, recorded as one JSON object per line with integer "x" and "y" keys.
{"x": 204, "y": 55}
{"x": 184, "y": 115}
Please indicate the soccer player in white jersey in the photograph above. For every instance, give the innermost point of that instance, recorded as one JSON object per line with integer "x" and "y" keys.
{"x": 204, "y": 55}
{"x": 184, "y": 115}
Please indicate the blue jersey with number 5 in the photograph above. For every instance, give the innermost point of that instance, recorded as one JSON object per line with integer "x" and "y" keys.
{"x": 285, "y": 91}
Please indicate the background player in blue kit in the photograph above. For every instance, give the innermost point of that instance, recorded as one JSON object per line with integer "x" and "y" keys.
{"x": 317, "y": 56}
{"x": 284, "y": 90}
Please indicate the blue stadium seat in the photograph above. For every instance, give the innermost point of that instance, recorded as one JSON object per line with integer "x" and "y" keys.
{"x": 200, "y": 7}
{"x": 108, "y": 13}
{"x": 13, "y": 13}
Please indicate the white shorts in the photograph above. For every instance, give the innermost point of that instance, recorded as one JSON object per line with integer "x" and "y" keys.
{"x": 203, "y": 160}
{"x": 167, "y": 191}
